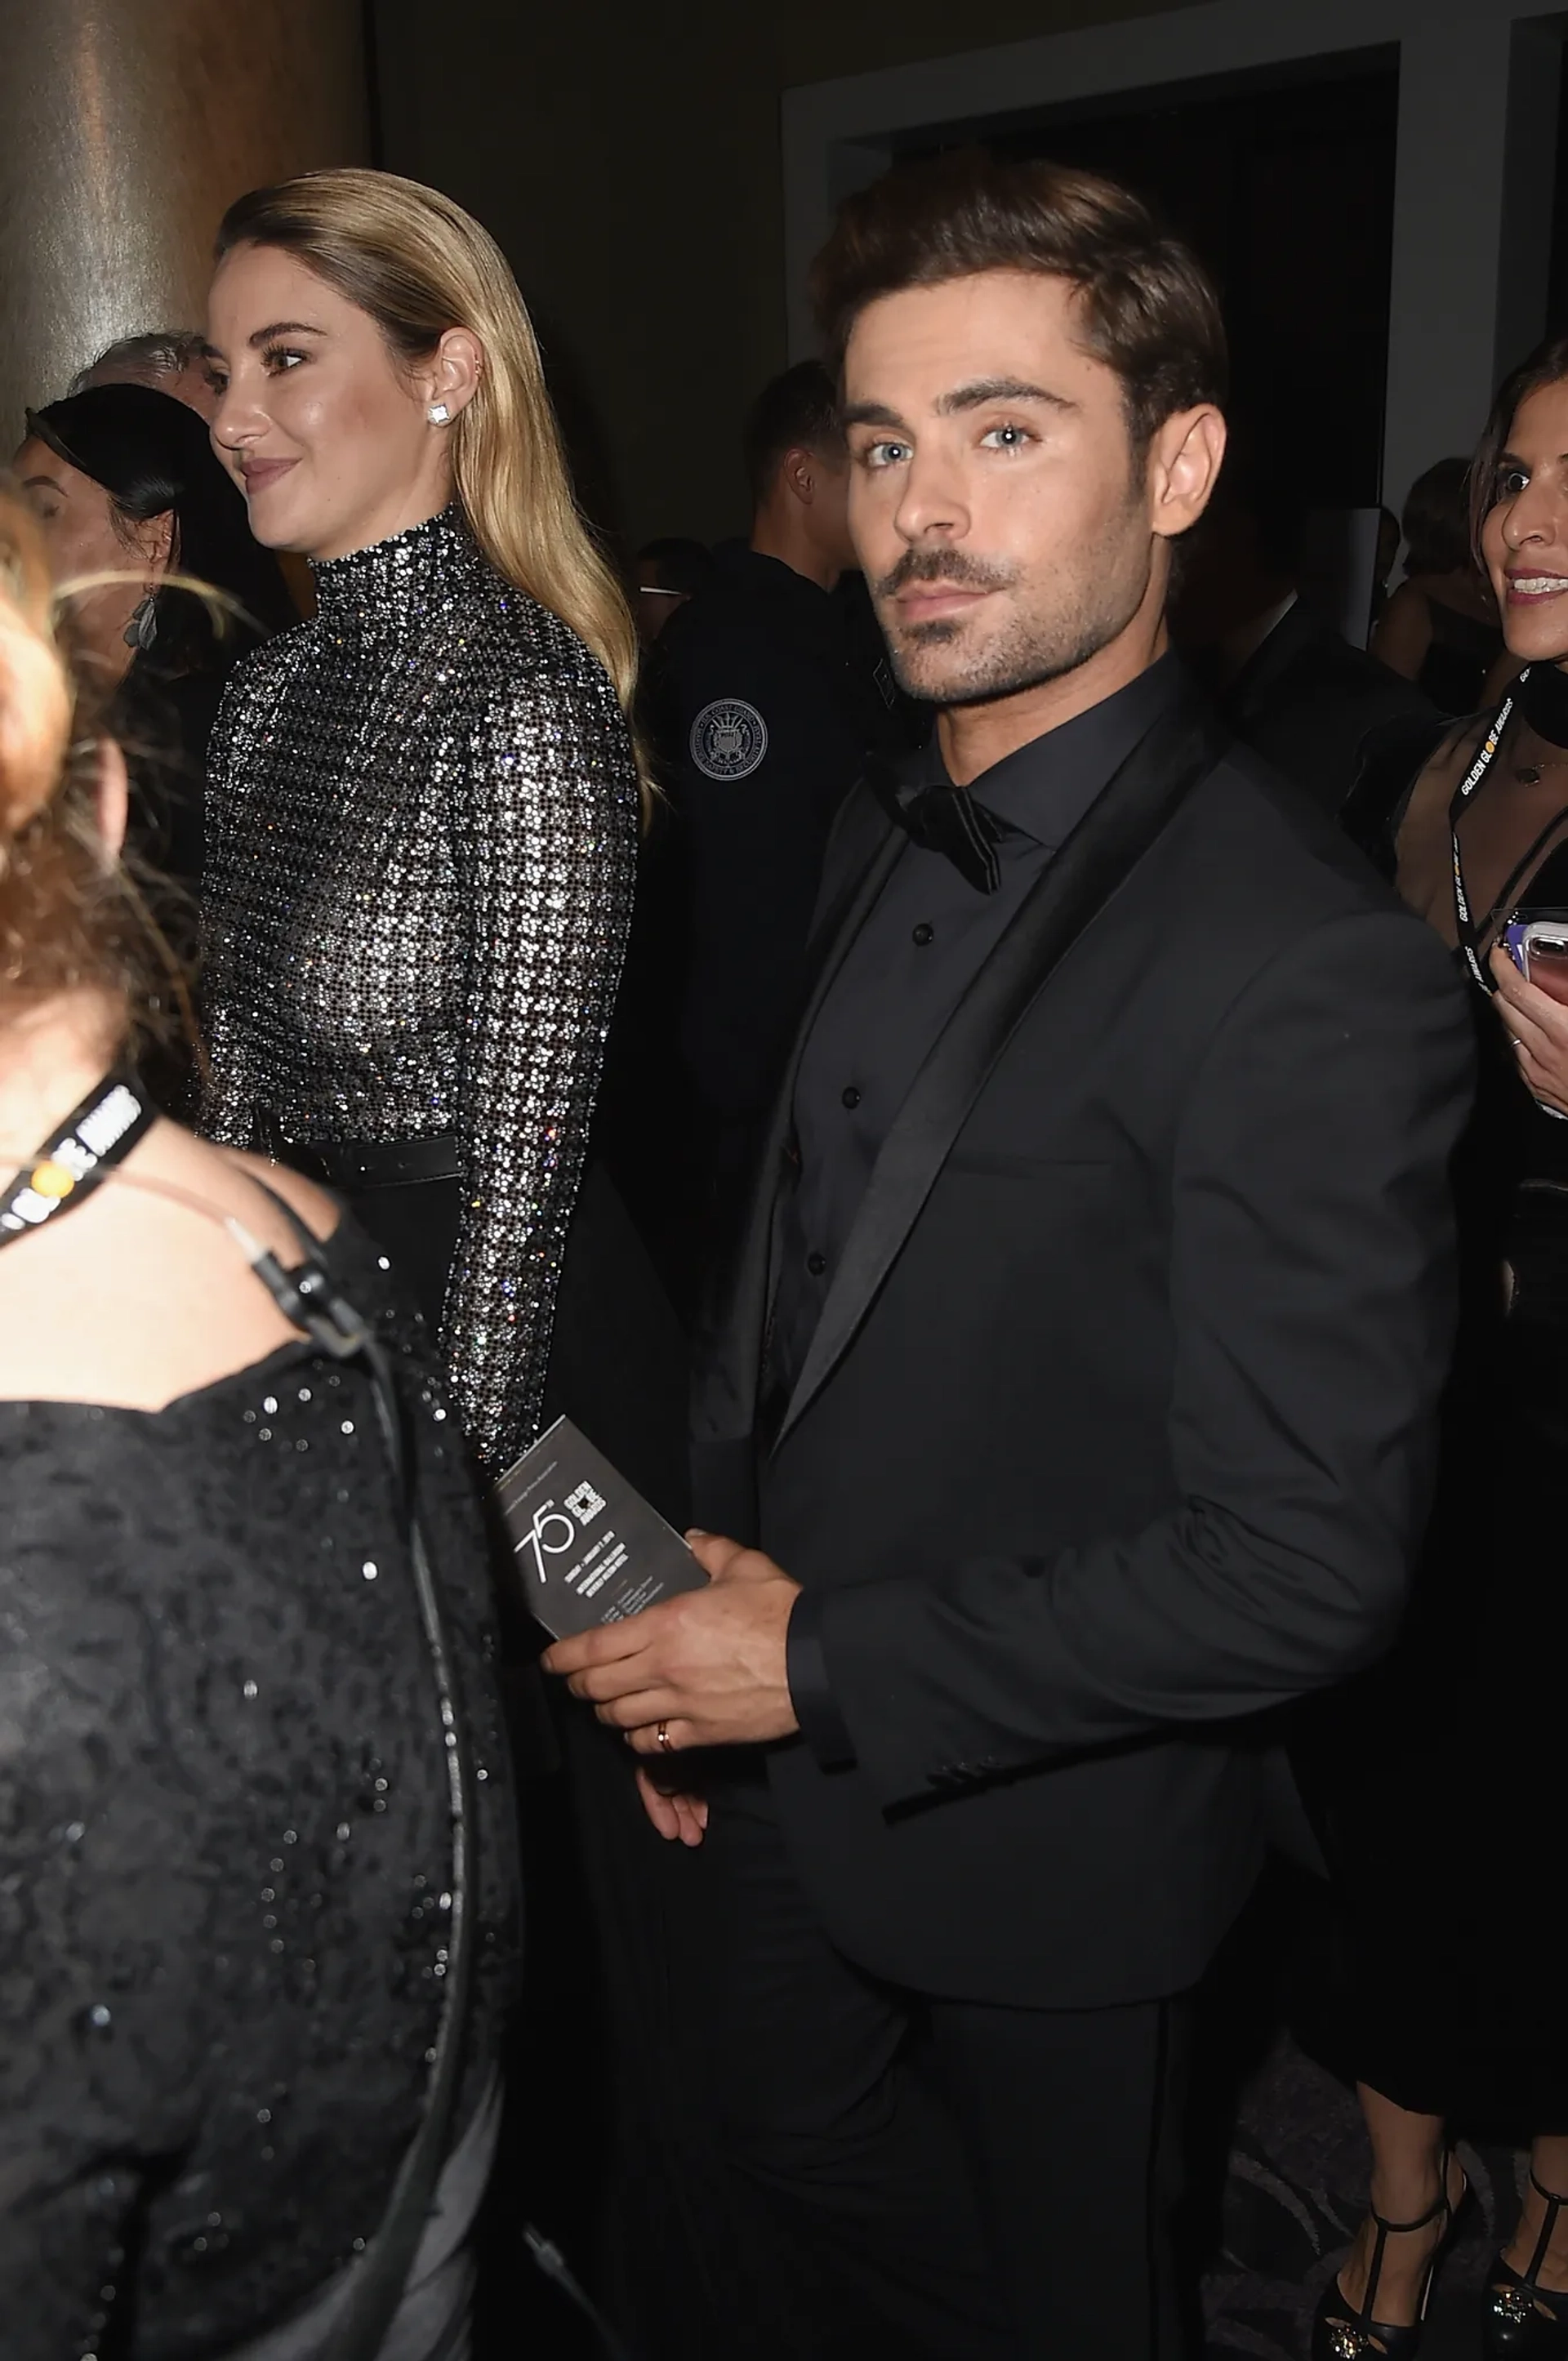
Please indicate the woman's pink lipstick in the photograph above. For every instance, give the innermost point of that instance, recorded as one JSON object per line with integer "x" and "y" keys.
{"x": 259, "y": 473}
{"x": 1534, "y": 589}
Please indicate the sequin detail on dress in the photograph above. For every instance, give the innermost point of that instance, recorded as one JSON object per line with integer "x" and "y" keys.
{"x": 226, "y": 1846}
{"x": 423, "y": 816}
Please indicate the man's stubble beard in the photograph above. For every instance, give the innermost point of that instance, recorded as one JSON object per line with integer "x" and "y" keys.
{"x": 1092, "y": 607}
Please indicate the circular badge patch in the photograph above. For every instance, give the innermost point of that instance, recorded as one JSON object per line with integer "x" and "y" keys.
{"x": 728, "y": 738}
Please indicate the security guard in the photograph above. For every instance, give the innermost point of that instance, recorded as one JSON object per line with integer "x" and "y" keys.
{"x": 767, "y": 701}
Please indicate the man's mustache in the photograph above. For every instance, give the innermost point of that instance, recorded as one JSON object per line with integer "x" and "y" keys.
{"x": 950, "y": 567}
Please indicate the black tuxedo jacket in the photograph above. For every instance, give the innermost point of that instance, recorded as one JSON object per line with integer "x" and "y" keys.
{"x": 1322, "y": 712}
{"x": 1118, "y": 1426}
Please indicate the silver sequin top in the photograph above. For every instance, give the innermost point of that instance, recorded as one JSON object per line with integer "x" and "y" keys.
{"x": 422, "y": 831}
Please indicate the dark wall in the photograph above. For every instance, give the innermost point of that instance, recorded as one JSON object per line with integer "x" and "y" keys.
{"x": 627, "y": 157}
{"x": 1283, "y": 186}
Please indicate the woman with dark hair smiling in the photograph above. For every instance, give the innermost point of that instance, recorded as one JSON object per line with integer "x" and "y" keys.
{"x": 1447, "y": 1819}
{"x": 130, "y": 494}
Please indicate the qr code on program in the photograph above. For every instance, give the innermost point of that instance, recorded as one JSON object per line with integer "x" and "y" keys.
{"x": 584, "y": 1503}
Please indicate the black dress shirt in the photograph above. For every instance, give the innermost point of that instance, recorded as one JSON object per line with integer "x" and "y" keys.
{"x": 922, "y": 943}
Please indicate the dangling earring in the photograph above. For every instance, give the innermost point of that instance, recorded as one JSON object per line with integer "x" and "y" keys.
{"x": 439, "y": 414}
{"x": 142, "y": 629}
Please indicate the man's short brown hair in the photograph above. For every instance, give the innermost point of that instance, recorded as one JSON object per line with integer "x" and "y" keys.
{"x": 1147, "y": 306}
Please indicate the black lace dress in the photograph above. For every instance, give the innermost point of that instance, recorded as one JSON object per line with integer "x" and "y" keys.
{"x": 224, "y": 1843}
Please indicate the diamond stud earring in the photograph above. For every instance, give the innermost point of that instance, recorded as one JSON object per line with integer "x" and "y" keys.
{"x": 439, "y": 414}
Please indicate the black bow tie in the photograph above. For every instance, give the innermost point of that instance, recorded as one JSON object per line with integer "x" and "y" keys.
{"x": 945, "y": 819}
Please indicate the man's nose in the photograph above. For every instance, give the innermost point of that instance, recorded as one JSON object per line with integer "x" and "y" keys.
{"x": 932, "y": 504}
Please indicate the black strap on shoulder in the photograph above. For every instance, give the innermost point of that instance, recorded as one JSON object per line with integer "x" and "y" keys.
{"x": 310, "y": 1296}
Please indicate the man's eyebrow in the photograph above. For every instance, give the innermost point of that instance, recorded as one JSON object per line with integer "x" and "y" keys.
{"x": 282, "y": 328}
{"x": 982, "y": 389}
{"x": 974, "y": 396}
{"x": 869, "y": 413}
{"x": 31, "y": 483}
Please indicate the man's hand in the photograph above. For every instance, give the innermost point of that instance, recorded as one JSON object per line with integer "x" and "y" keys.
{"x": 708, "y": 1668}
{"x": 1537, "y": 1027}
{"x": 674, "y": 1813}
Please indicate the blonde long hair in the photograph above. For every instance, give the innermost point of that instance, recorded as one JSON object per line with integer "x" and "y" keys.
{"x": 419, "y": 265}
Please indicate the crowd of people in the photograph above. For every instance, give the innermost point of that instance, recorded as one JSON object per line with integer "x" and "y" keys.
{"x": 1066, "y": 1055}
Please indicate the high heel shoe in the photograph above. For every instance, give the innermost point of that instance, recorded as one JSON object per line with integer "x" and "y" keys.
{"x": 1520, "y": 2317}
{"x": 1342, "y": 2333}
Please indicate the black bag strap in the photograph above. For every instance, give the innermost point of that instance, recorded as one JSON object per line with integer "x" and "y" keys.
{"x": 308, "y": 1297}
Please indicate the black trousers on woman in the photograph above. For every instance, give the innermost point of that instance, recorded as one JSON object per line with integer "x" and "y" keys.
{"x": 602, "y": 2145}
{"x": 924, "y": 2178}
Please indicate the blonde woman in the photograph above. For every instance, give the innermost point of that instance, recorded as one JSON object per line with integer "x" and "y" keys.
{"x": 423, "y": 808}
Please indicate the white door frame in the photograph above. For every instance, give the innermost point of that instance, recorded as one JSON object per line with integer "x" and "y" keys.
{"x": 1478, "y": 140}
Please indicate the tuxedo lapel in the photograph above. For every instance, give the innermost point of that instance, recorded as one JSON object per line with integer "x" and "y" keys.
{"x": 1118, "y": 829}
{"x": 861, "y": 857}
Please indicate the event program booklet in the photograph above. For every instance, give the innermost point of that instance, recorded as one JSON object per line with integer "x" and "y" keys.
{"x": 589, "y": 1550}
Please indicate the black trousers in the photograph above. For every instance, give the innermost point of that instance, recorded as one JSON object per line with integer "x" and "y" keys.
{"x": 933, "y": 2178}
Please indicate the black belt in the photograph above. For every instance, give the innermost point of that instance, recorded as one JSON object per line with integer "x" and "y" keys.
{"x": 368, "y": 1163}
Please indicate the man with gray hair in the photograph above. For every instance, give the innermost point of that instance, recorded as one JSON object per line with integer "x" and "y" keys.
{"x": 171, "y": 360}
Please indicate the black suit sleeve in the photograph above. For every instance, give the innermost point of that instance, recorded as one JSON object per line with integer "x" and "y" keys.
{"x": 1312, "y": 1303}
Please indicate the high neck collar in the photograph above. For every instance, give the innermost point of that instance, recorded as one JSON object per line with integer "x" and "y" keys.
{"x": 393, "y": 584}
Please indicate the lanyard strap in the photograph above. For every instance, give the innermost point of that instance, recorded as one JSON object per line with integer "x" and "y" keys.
{"x": 1465, "y": 927}
{"x": 94, "y": 1138}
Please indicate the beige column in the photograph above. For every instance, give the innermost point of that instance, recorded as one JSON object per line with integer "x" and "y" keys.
{"x": 126, "y": 127}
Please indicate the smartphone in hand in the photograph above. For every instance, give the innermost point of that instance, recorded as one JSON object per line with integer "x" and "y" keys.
{"x": 1539, "y": 949}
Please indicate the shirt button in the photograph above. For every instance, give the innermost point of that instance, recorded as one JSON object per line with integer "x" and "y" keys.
{"x": 817, "y": 1264}
{"x": 851, "y": 1097}
{"x": 924, "y": 934}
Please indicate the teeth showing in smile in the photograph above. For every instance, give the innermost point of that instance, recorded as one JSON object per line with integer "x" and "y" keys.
{"x": 1537, "y": 585}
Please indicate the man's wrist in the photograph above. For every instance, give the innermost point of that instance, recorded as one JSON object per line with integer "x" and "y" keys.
{"x": 822, "y": 1725}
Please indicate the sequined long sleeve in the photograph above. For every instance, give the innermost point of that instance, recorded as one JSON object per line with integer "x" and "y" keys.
{"x": 423, "y": 822}
{"x": 547, "y": 849}
{"x": 227, "y": 1113}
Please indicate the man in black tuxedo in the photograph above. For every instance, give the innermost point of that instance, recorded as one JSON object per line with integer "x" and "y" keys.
{"x": 1328, "y": 717}
{"x": 1074, "y": 1405}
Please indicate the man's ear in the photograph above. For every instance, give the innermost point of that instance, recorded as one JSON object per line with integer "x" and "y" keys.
{"x": 1184, "y": 463}
{"x": 114, "y": 798}
{"x": 801, "y": 470}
